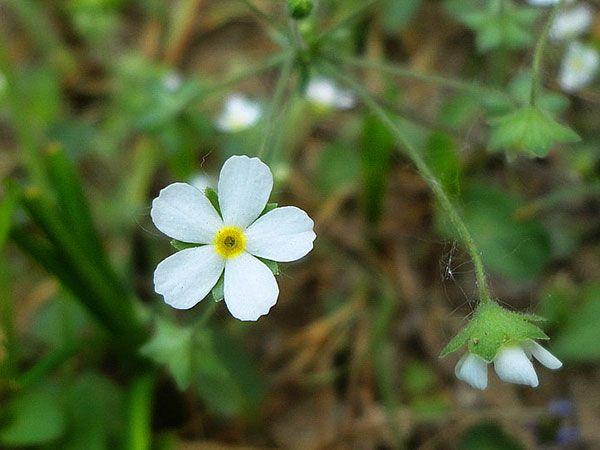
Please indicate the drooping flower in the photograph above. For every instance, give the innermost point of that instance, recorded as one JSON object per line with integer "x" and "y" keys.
{"x": 238, "y": 113}
{"x": 512, "y": 364}
{"x": 579, "y": 66}
{"x": 572, "y": 22}
{"x": 325, "y": 94}
{"x": 230, "y": 241}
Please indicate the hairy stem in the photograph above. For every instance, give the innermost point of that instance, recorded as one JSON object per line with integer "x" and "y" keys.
{"x": 345, "y": 21}
{"x": 538, "y": 53}
{"x": 431, "y": 180}
{"x": 276, "y": 101}
{"x": 404, "y": 72}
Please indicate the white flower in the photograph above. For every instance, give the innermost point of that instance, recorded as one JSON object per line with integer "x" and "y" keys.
{"x": 326, "y": 94}
{"x": 512, "y": 364}
{"x": 202, "y": 181}
{"x": 238, "y": 114}
{"x": 572, "y": 22}
{"x": 231, "y": 243}
{"x": 545, "y": 2}
{"x": 579, "y": 66}
{"x": 172, "y": 81}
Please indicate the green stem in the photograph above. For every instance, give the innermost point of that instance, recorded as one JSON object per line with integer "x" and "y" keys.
{"x": 404, "y": 72}
{"x": 139, "y": 413}
{"x": 431, "y": 180}
{"x": 358, "y": 12}
{"x": 266, "y": 17}
{"x": 540, "y": 46}
{"x": 271, "y": 123}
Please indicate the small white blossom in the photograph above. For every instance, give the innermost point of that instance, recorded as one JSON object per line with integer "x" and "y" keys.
{"x": 579, "y": 66}
{"x": 327, "y": 95}
{"x": 238, "y": 113}
{"x": 230, "y": 243}
{"x": 512, "y": 364}
{"x": 172, "y": 81}
{"x": 201, "y": 181}
{"x": 545, "y": 2}
{"x": 572, "y": 22}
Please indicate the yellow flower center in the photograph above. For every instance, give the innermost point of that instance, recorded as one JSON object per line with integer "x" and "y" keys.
{"x": 230, "y": 241}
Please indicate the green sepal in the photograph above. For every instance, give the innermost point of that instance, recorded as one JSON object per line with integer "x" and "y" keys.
{"x": 493, "y": 327}
{"x": 213, "y": 198}
{"x": 268, "y": 208}
{"x": 178, "y": 245}
{"x": 272, "y": 265}
{"x": 218, "y": 292}
{"x": 528, "y": 130}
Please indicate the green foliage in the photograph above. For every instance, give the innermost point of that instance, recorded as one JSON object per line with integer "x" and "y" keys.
{"x": 487, "y": 436}
{"x": 493, "y": 327}
{"x": 530, "y": 131}
{"x": 441, "y": 155}
{"x": 36, "y": 417}
{"x": 514, "y": 248}
{"x": 577, "y": 340}
{"x": 376, "y": 148}
{"x": 338, "y": 169}
{"x": 210, "y": 361}
{"x": 499, "y": 24}
{"x": 397, "y": 15}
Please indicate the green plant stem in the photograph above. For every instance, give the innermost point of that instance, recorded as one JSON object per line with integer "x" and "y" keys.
{"x": 266, "y": 17}
{"x": 270, "y": 118}
{"x": 235, "y": 78}
{"x": 404, "y": 72}
{"x": 540, "y": 46}
{"x": 358, "y": 12}
{"x": 139, "y": 412}
{"x": 432, "y": 181}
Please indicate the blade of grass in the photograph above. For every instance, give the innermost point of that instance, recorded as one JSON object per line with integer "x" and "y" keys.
{"x": 139, "y": 413}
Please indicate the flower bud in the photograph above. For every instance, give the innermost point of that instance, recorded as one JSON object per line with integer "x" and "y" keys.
{"x": 300, "y": 9}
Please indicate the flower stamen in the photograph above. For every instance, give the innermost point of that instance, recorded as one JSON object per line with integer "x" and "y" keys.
{"x": 230, "y": 241}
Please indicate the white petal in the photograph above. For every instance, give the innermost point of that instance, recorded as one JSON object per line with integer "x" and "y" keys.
{"x": 542, "y": 355}
{"x": 472, "y": 370}
{"x": 284, "y": 234}
{"x": 513, "y": 366}
{"x": 244, "y": 188}
{"x": 250, "y": 287}
{"x": 185, "y": 277}
{"x": 184, "y": 213}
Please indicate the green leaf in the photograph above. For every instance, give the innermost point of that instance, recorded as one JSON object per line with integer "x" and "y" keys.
{"x": 501, "y": 25}
{"x": 578, "y": 339}
{"x": 376, "y": 148}
{"x": 396, "y": 15}
{"x": 441, "y": 156}
{"x": 457, "y": 341}
{"x": 516, "y": 249}
{"x": 487, "y": 436}
{"x": 338, "y": 168}
{"x": 7, "y": 207}
{"x": 172, "y": 346}
{"x": 528, "y": 130}
{"x": 36, "y": 417}
{"x": 92, "y": 428}
{"x": 227, "y": 379}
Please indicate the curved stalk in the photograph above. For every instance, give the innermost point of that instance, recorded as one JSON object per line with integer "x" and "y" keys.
{"x": 540, "y": 46}
{"x": 432, "y": 181}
